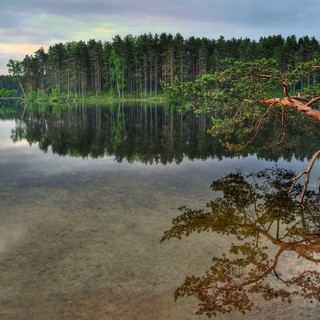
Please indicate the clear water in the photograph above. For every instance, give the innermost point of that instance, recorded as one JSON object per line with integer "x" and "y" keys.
{"x": 80, "y": 234}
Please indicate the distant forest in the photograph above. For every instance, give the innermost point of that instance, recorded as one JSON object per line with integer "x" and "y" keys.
{"x": 136, "y": 65}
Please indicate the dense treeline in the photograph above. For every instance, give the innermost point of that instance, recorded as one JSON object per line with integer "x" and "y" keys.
{"x": 10, "y": 109}
{"x": 8, "y": 82}
{"x": 136, "y": 65}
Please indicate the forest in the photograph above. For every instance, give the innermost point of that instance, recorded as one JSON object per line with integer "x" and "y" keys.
{"x": 136, "y": 66}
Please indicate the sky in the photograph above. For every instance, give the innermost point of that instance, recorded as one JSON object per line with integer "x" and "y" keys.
{"x": 26, "y": 26}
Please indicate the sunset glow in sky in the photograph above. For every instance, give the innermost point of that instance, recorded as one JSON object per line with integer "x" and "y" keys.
{"x": 25, "y": 26}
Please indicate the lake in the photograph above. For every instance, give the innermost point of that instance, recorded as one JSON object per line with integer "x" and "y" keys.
{"x": 86, "y": 196}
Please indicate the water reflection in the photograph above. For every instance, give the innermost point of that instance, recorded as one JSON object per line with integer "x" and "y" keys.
{"x": 140, "y": 132}
{"x": 269, "y": 230}
{"x": 9, "y": 109}
{"x": 81, "y": 236}
{"x": 147, "y": 134}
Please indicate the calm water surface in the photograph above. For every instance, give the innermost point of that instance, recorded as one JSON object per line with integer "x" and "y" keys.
{"x": 80, "y": 229}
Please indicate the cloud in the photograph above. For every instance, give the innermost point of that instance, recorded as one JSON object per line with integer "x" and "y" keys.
{"x": 16, "y": 52}
{"x": 207, "y": 16}
{"x": 51, "y": 21}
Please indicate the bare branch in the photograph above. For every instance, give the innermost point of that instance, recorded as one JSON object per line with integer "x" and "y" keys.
{"x": 260, "y": 121}
{"x": 299, "y": 98}
{"x": 283, "y": 124}
{"x": 306, "y": 109}
{"x": 311, "y": 102}
{"x": 264, "y": 76}
{"x": 307, "y": 172}
{"x": 286, "y": 91}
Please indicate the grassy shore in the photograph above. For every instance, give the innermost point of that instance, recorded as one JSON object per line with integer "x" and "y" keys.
{"x": 111, "y": 99}
{"x": 90, "y": 99}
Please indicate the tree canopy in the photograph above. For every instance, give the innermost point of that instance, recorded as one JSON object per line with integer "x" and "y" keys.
{"x": 246, "y": 94}
{"x": 80, "y": 68}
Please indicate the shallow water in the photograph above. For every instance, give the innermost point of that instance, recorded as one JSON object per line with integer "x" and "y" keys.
{"x": 80, "y": 237}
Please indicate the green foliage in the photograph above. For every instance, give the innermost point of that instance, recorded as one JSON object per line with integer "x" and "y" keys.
{"x": 226, "y": 90}
{"x": 57, "y": 95}
{"x": 38, "y": 96}
{"x": 8, "y": 93}
{"x": 15, "y": 67}
{"x": 80, "y": 68}
{"x": 234, "y": 94}
{"x": 8, "y": 112}
{"x": 312, "y": 90}
{"x": 117, "y": 72}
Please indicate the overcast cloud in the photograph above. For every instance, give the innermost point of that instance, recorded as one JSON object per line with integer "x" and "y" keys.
{"x": 26, "y": 26}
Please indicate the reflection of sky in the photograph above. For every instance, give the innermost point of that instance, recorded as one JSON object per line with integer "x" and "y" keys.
{"x": 21, "y": 155}
{"x": 5, "y": 130}
{"x": 5, "y": 133}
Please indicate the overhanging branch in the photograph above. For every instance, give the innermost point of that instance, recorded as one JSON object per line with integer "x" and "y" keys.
{"x": 301, "y": 105}
{"x": 307, "y": 172}
{"x": 260, "y": 121}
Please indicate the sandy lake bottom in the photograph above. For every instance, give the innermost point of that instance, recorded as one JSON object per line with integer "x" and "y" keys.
{"x": 80, "y": 239}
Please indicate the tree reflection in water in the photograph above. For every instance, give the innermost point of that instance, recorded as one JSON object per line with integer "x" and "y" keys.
{"x": 254, "y": 208}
